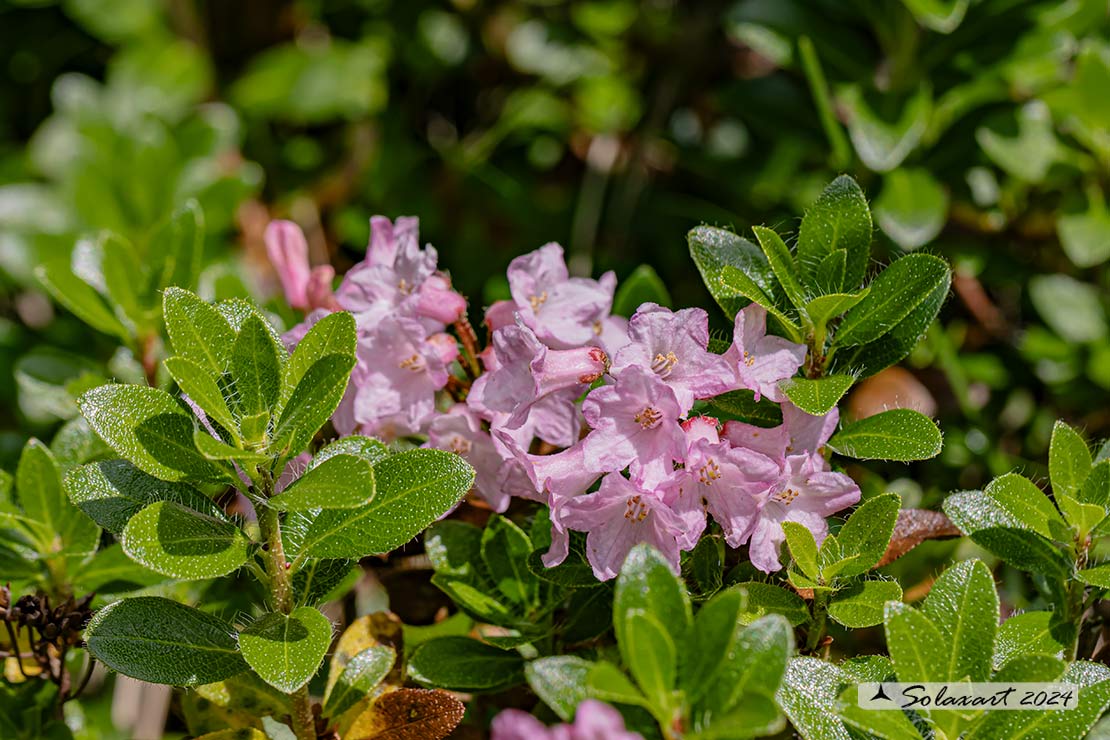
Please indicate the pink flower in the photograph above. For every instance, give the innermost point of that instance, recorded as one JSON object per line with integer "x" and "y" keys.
{"x": 806, "y": 492}
{"x": 565, "y": 312}
{"x": 620, "y": 515}
{"x": 460, "y": 431}
{"x": 388, "y": 237}
{"x": 634, "y": 422}
{"x": 288, "y": 253}
{"x": 593, "y": 720}
{"x": 398, "y": 373}
{"x": 762, "y": 361}
{"x": 536, "y": 385}
{"x": 673, "y": 345}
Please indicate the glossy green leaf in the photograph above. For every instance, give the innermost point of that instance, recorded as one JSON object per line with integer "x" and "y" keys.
{"x": 883, "y": 143}
{"x": 1027, "y": 154}
{"x": 782, "y": 263}
{"x": 818, "y": 396}
{"x": 216, "y": 449}
{"x": 1026, "y": 633}
{"x": 465, "y": 664}
{"x": 943, "y": 16}
{"x": 803, "y": 548}
{"x": 917, "y": 647}
{"x": 161, "y": 641}
{"x": 1069, "y": 460}
{"x": 752, "y": 665}
{"x": 828, "y": 276}
{"x": 339, "y": 482}
{"x": 367, "y": 448}
{"x": 861, "y": 604}
{"x": 652, "y": 658}
{"x": 1085, "y": 236}
{"x": 808, "y": 695}
{"x": 838, "y": 220}
{"x": 181, "y": 241}
{"x": 1025, "y": 550}
{"x": 1097, "y": 576}
{"x": 505, "y": 549}
{"x": 312, "y": 402}
{"x": 256, "y": 368}
{"x": 333, "y": 334}
{"x": 824, "y": 308}
{"x": 1025, "y": 503}
{"x": 198, "y": 332}
{"x": 287, "y": 650}
{"x": 61, "y": 528}
{"x": 179, "y": 542}
{"x": 647, "y": 584}
{"x": 895, "y": 293}
{"x": 79, "y": 298}
{"x": 119, "y": 266}
{"x": 877, "y": 724}
{"x": 606, "y": 682}
{"x": 742, "y": 406}
{"x": 1096, "y": 488}
{"x": 767, "y": 598}
{"x": 912, "y": 207}
{"x": 111, "y": 571}
{"x": 414, "y": 489}
{"x": 146, "y": 426}
{"x": 319, "y": 580}
{"x": 898, "y": 434}
{"x": 642, "y": 286}
{"x": 867, "y": 533}
{"x": 199, "y": 385}
{"x": 963, "y": 605}
{"x": 560, "y": 682}
{"x": 113, "y": 491}
{"x": 1071, "y": 308}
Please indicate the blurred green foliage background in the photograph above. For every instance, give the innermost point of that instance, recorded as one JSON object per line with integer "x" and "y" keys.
{"x": 980, "y": 130}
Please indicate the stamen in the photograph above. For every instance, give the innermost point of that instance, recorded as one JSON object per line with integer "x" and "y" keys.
{"x": 787, "y": 496}
{"x": 749, "y": 360}
{"x": 636, "y": 510}
{"x": 460, "y": 445}
{"x": 648, "y": 418}
{"x": 413, "y": 362}
{"x": 662, "y": 365}
{"x": 538, "y": 300}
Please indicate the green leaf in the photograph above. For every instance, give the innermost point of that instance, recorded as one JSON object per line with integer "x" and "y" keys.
{"x": 942, "y": 16}
{"x": 254, "y": 427}
{"x": 414, "y": 489}
{"x": 181, "y": 240}
{"x": 179, "y": 542}
{"x": 752, "y": 279}
{"x": 808, "y": 696}
{"x": 743, "y": 285}
{"x": 606, "y": 682}
{"x": 916, "y": 646}
{"x": 878, "y": 724}
{"x": 339, "y": 482}
{"x": 198, "y": 384}
{"x": 782, "y": 263}
{"x": 912, "y": 207}
{"x": 1025, "y": 503}
{"x": 867, "y": 533}
{"x": 895, "y": 344}
{"x": 312, "y": 402}
{"x": 369, "y": 449}
{"x": 838, "y": 220}
{"x": 1026, "y": 633}
{"x": 1085, "y": 236}
{"x": 742, "y": 406}
{"x": 882, "y": 143}
{"x": 161, "y": 641}
{"x": 113, "y": 491}
{"x": 767, "y": 598}
{"x": 895, "y": 293}
{"x": 1096, "y": 489}
{"x": 714, "y": 632}
{"x": 454, "y": 547}
{"x": 1071, "y": 308}
{"x": 214, "y": 448}
{"x": 752, "y": 665}
{"x": 198, "y": 332}
{"x": 120, "y": 266}
{"x": 146, "y": 426}
{"x": 829, "y": 273}
{"x": 647, "y": 584}
{"x": 1029, "y": 154}
{"x": 256, "y": 367}
{"x": 1069, "y": 460}
{"x": 471, "y": 597}
{"x": 818, "y": 396}
{"x": 861, "y": 604}
{"x": 505, "y": 549}
{"x": 1097, "y": 576}
{"x": 1025, "y": 550}
{"x": 642, "y": 286}
{"x": 652, "y": 659}
{"x": 63, "y": 529}
{"x": 334, "y": 334}
{"x": 560, "y": 682}
{"x": 318, "y": 580}
{"x": 803, "y": 548}
{"x": 898, "y": 434}
{"x": 963, "y": 605}
{"x": 826, "y": 307}
{"x": 79, "y": 298}
{"x": 464, "y": 664}
{"x": 286, "y": 650}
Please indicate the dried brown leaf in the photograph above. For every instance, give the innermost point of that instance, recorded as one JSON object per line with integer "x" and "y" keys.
{"x": 408, "y": 714}
{"x": 913, "y": 527}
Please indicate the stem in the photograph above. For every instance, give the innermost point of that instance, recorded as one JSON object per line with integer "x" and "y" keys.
{"x": 811, "y": 65}
{"x": 281, "y": 589}
{"x": 815, "y": 357}
{"x": 820, "y": 611}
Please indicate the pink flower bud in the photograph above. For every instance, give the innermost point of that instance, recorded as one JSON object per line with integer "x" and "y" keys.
{"x": 563, "y": 368}
{"x": 500, "y": 314}
{"x": 288, "y": 252}
{"x": 319, "y": 291}
{"x": 445, "y": 347}
{"x": 438, "y": 302}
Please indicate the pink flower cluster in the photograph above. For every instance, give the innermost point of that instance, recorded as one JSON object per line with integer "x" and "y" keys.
{"x": 593, "y": 720}
{"x": 579, "y": 409}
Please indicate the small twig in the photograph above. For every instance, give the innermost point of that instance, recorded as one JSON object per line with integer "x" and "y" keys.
{"x": 84, "y": 680}
{"x": 469, "y": 340}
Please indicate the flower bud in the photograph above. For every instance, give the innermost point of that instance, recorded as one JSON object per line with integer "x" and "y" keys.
{"x": 288, "y": 252}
